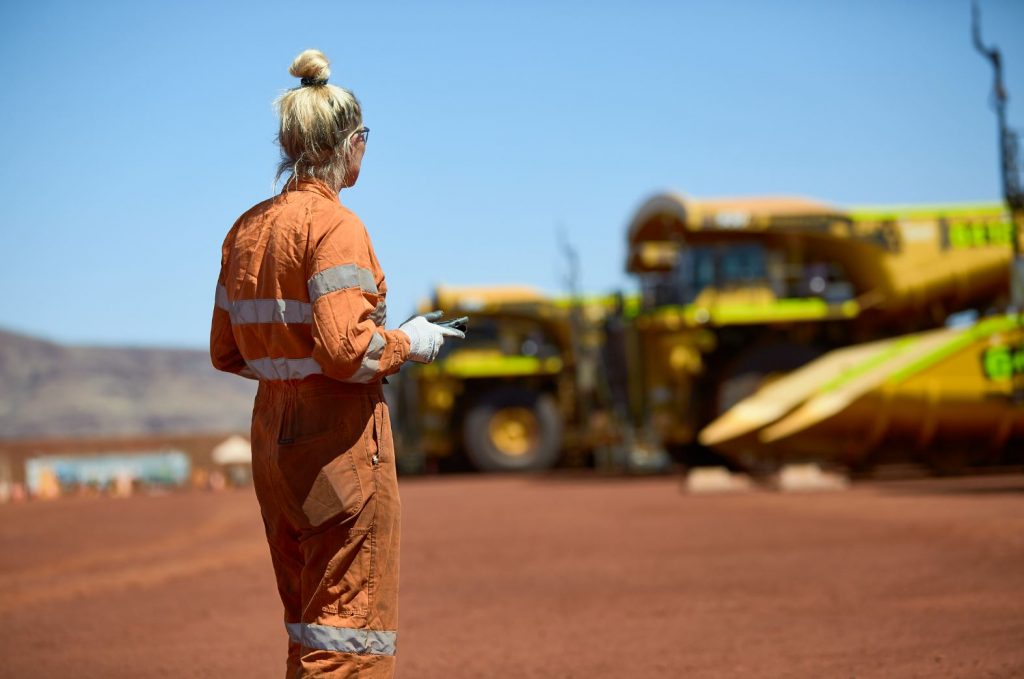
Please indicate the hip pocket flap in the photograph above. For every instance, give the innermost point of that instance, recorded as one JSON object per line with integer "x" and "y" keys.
{"x": 336, "y": 491}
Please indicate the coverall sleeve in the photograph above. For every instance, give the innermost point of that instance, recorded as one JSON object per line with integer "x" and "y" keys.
{"x": 224, "y": 352}
{"x": 347, "y": 343}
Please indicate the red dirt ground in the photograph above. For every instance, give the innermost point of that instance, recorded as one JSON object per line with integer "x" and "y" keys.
{"x": 545, "y": 577}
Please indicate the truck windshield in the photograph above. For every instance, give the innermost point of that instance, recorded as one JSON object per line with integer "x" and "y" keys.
{"x": 509, "y": 335}
{"x": 721, "y": 267}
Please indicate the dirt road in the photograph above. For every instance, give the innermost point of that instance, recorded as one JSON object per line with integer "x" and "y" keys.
{"x": 550, "y": 577}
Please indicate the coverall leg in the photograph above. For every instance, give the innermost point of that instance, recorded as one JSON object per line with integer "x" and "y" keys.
{"x": 324, "y": 471}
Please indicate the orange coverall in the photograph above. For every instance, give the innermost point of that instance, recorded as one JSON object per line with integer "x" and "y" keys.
{"x": 300, "y": 306}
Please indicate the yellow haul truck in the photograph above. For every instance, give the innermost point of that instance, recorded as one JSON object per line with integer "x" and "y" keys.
{"x": 737, "y": 292}
{"x": 733, "y": 293}
{"x": 511, "y": 396}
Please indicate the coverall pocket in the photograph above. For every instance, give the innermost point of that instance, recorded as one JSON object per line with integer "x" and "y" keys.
{"x": 320, "y": 461}
{"x": 349, "y": 575}
{"x": 382, "y": 446}
{"x": 336, "y": 492}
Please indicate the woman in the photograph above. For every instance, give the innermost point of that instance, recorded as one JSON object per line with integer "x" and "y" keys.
{"x": 300, "y": 306}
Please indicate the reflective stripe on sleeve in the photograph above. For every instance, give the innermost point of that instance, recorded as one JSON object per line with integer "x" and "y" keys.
{"x": 284, "y": 368}
{"x": 222, "y": 300}
{"x": 340, "y": 278}
{"x": 370, "y": 366}
{"x": 264, "y": 310}
{"x": 380, "y": 313}
{"x": 342, "y": 639}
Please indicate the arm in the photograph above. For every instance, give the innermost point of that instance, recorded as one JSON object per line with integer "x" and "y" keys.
{"x": 224, "y": 353}
{"x": 348, "y": 344}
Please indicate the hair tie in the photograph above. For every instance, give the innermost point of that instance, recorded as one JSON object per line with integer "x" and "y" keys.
{"x": 313, "y": 82}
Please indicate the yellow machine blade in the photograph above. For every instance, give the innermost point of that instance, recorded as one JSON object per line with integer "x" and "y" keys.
{"x": 780, "y": 397}
{"x": 926, "y": 394}
{"x": 887, "y": 358}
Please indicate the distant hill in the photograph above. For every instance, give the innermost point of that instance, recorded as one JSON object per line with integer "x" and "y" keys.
{"x": 50, "y": 390}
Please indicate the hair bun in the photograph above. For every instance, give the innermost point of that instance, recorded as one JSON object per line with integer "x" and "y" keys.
{"x": 311, "y": 65}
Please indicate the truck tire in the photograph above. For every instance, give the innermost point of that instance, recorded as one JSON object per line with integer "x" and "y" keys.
{"x": 512, "y": 429}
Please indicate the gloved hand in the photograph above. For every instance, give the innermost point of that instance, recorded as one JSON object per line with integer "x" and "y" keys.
{"x": 426, "y": 338}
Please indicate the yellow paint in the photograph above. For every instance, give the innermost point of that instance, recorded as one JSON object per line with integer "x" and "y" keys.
{"x": 470, "y": 364}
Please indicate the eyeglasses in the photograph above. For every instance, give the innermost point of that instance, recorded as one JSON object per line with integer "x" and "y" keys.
{"x": 363, "y": 133}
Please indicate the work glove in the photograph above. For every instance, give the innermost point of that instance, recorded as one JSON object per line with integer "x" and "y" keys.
{"x": 426, "y": 338}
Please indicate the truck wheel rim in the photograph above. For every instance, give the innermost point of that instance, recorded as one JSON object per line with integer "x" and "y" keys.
{"x": 514, "y": 431}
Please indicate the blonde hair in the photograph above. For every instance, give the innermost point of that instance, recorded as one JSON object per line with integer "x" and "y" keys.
{"x": 317, "y": 122}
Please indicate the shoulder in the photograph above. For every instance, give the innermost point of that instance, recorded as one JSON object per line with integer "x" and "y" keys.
{"x": 255, "y": 213}
{"x": 330, "y": 219}
{"x": 337, "y": 235}
{"x": 251, "y": 215}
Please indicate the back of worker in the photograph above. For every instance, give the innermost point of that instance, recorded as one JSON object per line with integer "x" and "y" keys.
{"x": 302, "y": 292}
{"x": 300, "y": 306}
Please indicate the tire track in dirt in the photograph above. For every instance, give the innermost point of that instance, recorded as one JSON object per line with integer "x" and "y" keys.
{"x": 126, "y": 575}
{"x": 186, "y": 552}
{"x": 217, "y": 525}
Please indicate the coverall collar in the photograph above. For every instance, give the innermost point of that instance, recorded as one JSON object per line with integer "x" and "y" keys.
{"x": 311, "y": 184}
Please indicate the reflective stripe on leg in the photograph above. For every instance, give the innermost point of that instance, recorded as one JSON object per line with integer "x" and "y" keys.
{"x": 342, "y": 639}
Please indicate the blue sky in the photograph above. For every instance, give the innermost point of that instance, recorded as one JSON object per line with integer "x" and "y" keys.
{"x": 135, "y": 133}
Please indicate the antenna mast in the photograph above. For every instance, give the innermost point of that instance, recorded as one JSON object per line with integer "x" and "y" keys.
{"x": 1008, "y": 149}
